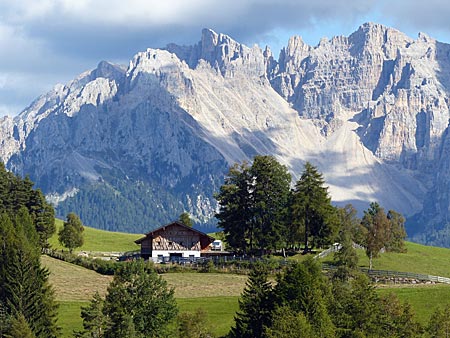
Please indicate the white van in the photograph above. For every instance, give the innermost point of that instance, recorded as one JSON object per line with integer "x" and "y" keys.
{"x": 217, "y": 245}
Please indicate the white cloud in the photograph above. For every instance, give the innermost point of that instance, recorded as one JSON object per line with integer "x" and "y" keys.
{"x": 48, "y": 41}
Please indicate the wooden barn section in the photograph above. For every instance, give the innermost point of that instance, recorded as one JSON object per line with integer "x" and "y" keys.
{"x": 174, "y": 240}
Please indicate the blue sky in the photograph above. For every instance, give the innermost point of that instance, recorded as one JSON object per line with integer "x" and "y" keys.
{"x": 45, "y": 42}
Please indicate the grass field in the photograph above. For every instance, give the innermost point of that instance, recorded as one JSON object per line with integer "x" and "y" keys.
{"x": 100, "y": 240}
{"x": 423, "y": 299}
{"x": 217, "y": 294}
{"x": 418, "y": 259}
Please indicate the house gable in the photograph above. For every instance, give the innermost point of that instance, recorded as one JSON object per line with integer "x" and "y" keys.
{"x": 174, "y": 238}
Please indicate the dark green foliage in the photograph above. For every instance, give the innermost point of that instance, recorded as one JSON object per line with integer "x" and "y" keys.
{"x": 138, "y": 303}
{"x": 289, "y": 324}
{"x": 255, "y": 305}
{"x": 186, "y": 219}
{"x": 17, "y": 193}
{"x": 130, "y": 205}
{"x": 397, "y": 233}
{"x": 439, "y": 325}
{"x": 313, "y": 218}
{"x": 24, "y": 288}
{"x": 94, "y": 320}
{"x": 346, "y": 259}
{"x": 252, "y": 202}
{"x": 235, "y": 208}
{"x": 18, "y": 327}
{"x": 71, "y": 235}
{"x": 303, "y": 288}
{"x": 193, "y": 325}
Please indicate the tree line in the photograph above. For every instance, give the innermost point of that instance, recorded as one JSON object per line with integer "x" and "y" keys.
{"x": 260, "y": 213}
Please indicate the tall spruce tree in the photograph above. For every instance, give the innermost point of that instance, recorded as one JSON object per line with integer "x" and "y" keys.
{"x": 252, "y": 201}
{"x": 255, "y": 305}
{"x": 312, "y": 215}
{"x": 304, "y": 289}
{"x": 24, "y": 288}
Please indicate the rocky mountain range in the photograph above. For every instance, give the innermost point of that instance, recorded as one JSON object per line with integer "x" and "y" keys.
{"x": 131, "y": 147}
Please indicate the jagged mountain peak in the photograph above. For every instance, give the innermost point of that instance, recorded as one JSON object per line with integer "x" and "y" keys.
{"x": 371, "y": 110}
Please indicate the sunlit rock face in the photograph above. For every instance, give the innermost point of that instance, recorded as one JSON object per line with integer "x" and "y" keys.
{"x": 370, "y": 110}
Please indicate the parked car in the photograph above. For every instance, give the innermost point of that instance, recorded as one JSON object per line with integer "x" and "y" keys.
{"x": 217, "y": 245}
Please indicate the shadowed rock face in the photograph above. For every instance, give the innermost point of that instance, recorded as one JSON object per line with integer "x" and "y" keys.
{"x": 371, "y": 110}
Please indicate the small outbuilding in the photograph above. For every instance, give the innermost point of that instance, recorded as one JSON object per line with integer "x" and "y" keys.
{"x": 174, "y": 241}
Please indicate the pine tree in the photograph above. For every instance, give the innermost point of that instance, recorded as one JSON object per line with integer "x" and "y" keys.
{"x": 303, "y": 289}
{"x": 289, "y": 324}
{"x": 270, "y": 195}
{"x": 139, "y": 301}
{"x": 235, "y": 208}
{"x": 95, "y": 322}
{"x": 19, "y": 327}
{"x": 345, "y": 259}
{"x": 24, "y": 287}
{"x": 252, "y": 201}
{"x": 312, "y": 214}
{"x": 255, "y": 305}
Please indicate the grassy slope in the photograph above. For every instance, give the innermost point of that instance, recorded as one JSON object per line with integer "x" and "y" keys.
{"x": 100, "y": 240}
{"x": 217, "y": 294}
{"x": 418, "y": 259}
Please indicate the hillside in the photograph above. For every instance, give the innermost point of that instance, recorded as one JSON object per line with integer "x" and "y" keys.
{"x": 218, "y": 293}
{"x": 126, "y": 147}
{"x": 99, "y": 240}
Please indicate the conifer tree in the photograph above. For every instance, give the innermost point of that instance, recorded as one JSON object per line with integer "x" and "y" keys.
{"x": 235, "y": 208}
{"x": 289, "y": 324}
{"x": 303, "y": 289}
{"x": 95, "y": 322}
{"x": 24, "y": 287}
{"x": 255, "y": 305}
{"x": 138, "y": 302}
{"x": 252, "y": 201}
{"x": 312, "y": 214}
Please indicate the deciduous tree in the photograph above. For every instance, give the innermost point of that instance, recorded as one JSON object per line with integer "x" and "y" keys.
{"x": 378, "y": 230}
{"x": 186, "y": 219}
{"x": 71, "y": 235}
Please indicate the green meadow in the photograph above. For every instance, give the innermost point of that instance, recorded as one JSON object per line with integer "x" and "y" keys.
{"x": 99, "y": 240}
{"x": 217, "y": 294}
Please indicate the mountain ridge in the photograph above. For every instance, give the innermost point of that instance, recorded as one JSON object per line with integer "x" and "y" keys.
{"x": 371, "y": 110}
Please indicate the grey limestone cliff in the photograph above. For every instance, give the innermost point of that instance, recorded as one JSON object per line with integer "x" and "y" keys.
{"x": 371, "y": 110}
